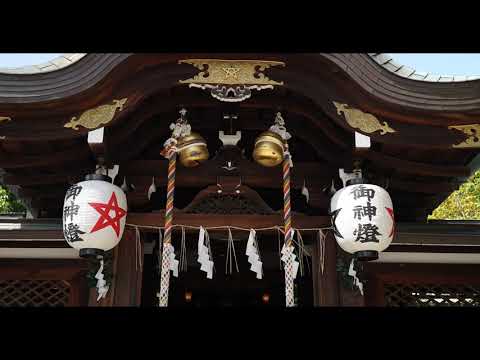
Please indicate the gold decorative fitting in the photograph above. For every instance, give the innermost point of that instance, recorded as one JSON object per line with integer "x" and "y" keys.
{"x": 473, "y": 132}
{"x": 5, "y": 118}
{"x": 363, "y": 121}
{"x": 231, "y": 80}
{"x": 231, "y": 72}
{"x": 93, "y": 118}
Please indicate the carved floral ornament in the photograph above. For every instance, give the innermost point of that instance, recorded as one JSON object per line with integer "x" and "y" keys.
{"x": 93, "y": 118}
{"x": 365, "y": 122}
{"x": 231, "y": 80}
{"x": 473, "y": 132}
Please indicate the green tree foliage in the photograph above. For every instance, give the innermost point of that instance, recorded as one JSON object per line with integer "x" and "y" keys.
{"x": 462, "y": 204}
{"x": 8, "y": 203}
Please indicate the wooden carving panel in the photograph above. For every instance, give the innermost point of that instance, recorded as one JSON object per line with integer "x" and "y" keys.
{"x": 211, "y": 201}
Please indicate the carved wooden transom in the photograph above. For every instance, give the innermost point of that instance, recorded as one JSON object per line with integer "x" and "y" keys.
{"x": 210, "y": 201}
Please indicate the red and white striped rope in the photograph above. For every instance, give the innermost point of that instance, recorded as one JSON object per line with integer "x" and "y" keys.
{"x": 288, "y": 231}
{"x": 167, "y": 239}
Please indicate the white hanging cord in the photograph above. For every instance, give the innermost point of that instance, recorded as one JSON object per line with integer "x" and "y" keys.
{"x": 279, "y": 249}
{"x": 233, "y": 248}
{"x": 137, "y": 236}
{"x": 260, "y": 272}
{"x": 227, "y": 257}
{"x": 230, "y": 252}
{"x": 183, "y": 253}
{"x": 207, "y": 239}
{"x": 321, "y": 238}
{"x": 138, "y": 243}
{"x": 102, "y": 287}
{"x": 301, "y": 252}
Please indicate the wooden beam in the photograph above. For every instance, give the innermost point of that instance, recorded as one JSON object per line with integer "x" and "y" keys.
{"x": 141, "y": 172}
{"x": 213, "y": 220}
{"x": 43, "y": 179}
{"x": 412, "y": 167}
{"x": 13, "y": 161}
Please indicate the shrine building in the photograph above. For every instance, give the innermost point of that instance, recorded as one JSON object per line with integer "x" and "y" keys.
{"x": 219, "y": 164}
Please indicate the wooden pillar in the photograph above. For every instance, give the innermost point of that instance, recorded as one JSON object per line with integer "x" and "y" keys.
{"x": 325, "y": 286}
{"x": 126, "y": 287}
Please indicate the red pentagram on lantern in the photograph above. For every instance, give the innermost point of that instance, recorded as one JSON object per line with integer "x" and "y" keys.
{"x": 105, "y": 218}
{"x": 390, "y": 212}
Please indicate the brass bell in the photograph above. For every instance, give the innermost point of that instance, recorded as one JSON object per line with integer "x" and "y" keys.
{"x": 268, "y": 149}
{"x": 193, "y": 155}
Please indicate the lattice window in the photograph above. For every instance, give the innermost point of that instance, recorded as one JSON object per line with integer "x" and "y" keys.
{"x": 34, "y": 293}
{"x": 431, "y": 295}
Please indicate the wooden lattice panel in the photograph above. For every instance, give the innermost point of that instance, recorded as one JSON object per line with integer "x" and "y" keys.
{"x": 34, "y": 293}
{"x": 423, "y": 295}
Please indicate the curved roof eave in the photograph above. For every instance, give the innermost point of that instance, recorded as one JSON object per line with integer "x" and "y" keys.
{"x": 387, "y": 62}
{"x": 55, "y": 64}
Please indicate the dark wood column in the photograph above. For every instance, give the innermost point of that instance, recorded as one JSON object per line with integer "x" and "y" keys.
{"x": 126, "y": 287}
{"x": 325, "y": 286}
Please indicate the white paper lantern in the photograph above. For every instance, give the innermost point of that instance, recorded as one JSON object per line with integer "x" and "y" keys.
{"x": 94, "y": 215}
{"x": 363, "y": 220}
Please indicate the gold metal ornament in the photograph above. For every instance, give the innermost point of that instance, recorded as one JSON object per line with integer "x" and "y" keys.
{"x": 5, "y": 119}
{"x": 93, "y": 118}
{"x": 268, "y": 149}
{"x": 473, "y": 132}
{"x": 231, "y": 72}
{"x": 365, "y": 122}
{"x": 194, "y": 150}
{"x": 231, "y": 80}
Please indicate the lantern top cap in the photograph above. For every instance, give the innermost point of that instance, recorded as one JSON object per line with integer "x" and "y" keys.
{"x": 99, "y": 177}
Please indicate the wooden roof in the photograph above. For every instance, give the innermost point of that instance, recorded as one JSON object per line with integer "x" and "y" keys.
{"x": 418, "y": 162}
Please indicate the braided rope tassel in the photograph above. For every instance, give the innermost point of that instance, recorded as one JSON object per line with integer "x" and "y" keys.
{"x": 167, "y": 238}
{"x": 287, "y": 219}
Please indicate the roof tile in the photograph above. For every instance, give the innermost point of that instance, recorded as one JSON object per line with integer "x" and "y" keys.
{"x": 405, "y": 71}
{"x": 51, "y": 67}
{"x": 416, "y": 76}
{"x": 60, "y": 62}
{"x": 445, "y": 78}
{"x": 432, "y": 77}
{"x": 391, "y": 67}
{"x": 382, "y": 58}
{"x": 460, "y": 78}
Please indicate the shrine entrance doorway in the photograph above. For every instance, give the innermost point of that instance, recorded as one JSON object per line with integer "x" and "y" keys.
{"x": 193, "y": 289}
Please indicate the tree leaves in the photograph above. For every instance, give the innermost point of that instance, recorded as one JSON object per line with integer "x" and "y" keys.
{"x": 462, "y": 204}
{"x": 8, "y": 203}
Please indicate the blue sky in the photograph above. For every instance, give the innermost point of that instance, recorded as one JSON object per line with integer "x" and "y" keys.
{"x": 440, "y": 64}
{"x": 19, "y": 60}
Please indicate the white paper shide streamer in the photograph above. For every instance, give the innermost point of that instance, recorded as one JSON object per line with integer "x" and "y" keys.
{"x": 254, "y": 255}
{"x": 356, "y": 280}
{"x": 204, "y": 254}
{"x": 151, "y": 189}
{"x": 102, "y": 287}
{"x": 169, "y": 251}
{"x": 305, "y": 192}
